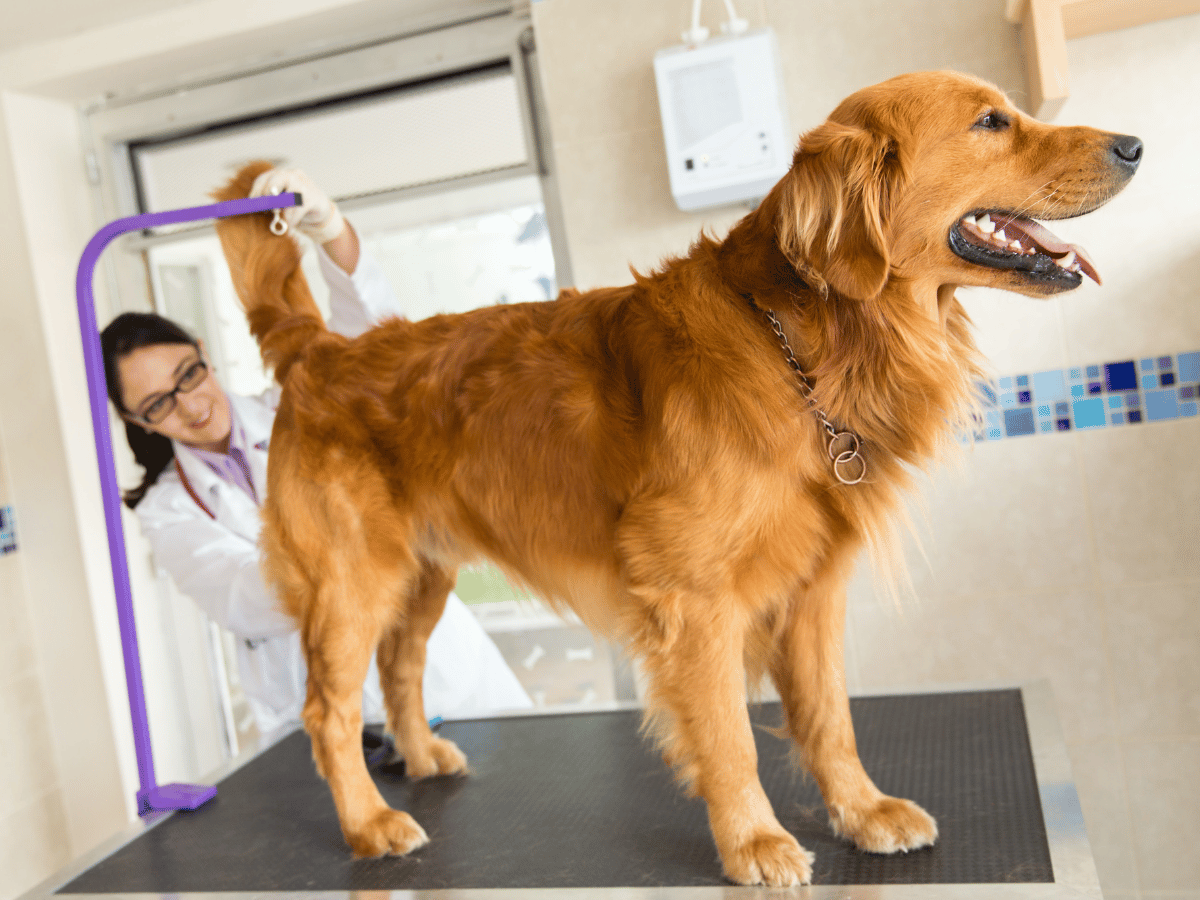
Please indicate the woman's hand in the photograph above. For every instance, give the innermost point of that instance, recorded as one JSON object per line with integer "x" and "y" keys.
{"x": 317, "y": 215}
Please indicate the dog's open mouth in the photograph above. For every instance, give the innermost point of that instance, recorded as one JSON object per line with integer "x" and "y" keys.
{"x": 1006, "y": 241}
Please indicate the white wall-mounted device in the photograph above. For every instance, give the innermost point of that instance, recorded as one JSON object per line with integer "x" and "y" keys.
{"x": 723, "y": 118}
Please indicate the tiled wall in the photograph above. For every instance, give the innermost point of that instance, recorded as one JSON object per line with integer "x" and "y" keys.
{"x": 1103, "y": 395}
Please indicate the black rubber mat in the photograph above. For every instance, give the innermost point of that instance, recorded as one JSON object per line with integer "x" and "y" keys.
{"x": 582, "y": 801}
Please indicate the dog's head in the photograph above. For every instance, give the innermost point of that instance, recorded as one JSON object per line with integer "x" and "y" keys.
{"x": 936, "y": 177}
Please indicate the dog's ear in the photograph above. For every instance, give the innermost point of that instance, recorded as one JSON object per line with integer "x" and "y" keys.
{"x": 834, "y": 209}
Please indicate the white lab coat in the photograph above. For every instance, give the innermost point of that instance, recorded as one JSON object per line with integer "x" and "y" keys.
{"x": 216, "y": 562}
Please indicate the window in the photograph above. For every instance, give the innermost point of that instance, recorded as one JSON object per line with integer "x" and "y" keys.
{"x": 431, "y": 145}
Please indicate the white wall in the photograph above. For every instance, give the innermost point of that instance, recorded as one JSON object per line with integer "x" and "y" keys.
{"x": 58, "y": 578}
{"x": 32, "y": 815}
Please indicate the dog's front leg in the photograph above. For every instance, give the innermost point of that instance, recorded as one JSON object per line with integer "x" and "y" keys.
{"x": 808, "y": 671}
{"x": 338, "y": 648}
{"x": 401, "y": 658}
{"x": 698, "y": 700}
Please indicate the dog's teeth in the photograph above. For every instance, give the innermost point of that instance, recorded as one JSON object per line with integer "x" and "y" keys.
{"x": 970, "y": 220}
{"x": 1015, "y": 245}
{"x": 999, "y": 236}
{"x": 986, "y": 225}
{"x": 1067, "y": 261}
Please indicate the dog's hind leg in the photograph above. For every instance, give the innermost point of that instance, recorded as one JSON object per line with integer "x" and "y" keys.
{"x": 807, "y": 669}
{"x": 401, "y": 658}
{"x": 698, "y": 702}
{"x": 338, "y": 642}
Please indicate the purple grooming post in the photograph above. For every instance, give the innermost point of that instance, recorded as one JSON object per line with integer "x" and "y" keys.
{"x": 152, "y": 797}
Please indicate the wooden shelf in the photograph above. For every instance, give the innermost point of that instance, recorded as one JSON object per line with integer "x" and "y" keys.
{"x": 1047, "y": 25}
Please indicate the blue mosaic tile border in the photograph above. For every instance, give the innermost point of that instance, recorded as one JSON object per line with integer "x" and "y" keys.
{"x": 8, "y": 531}
{"x": 1106, "y": 395}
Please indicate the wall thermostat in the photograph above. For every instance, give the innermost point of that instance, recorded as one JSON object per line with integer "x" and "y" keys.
{"x": 723, "y": 117}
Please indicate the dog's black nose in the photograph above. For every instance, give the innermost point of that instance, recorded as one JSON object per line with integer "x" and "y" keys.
{"x": 1128, "y": 151}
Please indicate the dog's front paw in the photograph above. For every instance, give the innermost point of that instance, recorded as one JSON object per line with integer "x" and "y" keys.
{"x": 773, "y": 858}
{"x": 890, "y": 825}
{"x": 438, "y": 757}
{"x": 389, "y": 831}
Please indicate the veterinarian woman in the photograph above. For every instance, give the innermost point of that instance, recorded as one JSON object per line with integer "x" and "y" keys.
{"x": 205, "y": 456}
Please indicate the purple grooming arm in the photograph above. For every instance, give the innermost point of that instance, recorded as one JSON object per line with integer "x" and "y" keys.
{"x": 152, "y": 797}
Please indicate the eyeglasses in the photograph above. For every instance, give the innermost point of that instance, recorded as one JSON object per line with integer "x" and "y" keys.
{"x": 166, "y": 403}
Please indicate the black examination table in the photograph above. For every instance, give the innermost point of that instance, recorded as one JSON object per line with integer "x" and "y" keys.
{"x": 581, "y": 801}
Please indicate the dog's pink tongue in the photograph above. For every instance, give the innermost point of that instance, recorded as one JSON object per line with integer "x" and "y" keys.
{"x": 1049, "y": 243}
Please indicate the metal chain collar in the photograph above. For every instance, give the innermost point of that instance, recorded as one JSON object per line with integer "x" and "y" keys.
{"x": 844, "y": 447}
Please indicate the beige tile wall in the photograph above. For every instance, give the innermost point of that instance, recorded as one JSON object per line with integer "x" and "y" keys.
{"x": 34, "y": 839}
{"x": 1071, "y": 557}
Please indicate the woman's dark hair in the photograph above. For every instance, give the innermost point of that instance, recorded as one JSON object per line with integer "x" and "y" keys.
{"x": 124, "y": 334}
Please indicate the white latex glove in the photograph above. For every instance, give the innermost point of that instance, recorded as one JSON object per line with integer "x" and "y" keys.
{"x": 317, "y": 216}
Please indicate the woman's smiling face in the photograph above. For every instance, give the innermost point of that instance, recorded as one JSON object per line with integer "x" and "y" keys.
{"x": 201, "y": 417}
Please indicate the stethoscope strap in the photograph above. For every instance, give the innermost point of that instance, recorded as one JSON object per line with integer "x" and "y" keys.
{"x": 187, "y": 486}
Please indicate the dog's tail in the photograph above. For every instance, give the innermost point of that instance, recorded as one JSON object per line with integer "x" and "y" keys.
{"x": 283, "y": 316}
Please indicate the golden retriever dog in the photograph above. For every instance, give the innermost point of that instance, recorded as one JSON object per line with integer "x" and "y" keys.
{"x": 650, "y": 457}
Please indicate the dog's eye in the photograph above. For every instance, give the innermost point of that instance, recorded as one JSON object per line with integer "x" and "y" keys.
{"x": 992, "y": 121}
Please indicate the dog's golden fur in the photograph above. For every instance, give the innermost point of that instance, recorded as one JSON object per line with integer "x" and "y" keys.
{"x": 643, "y": 455}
